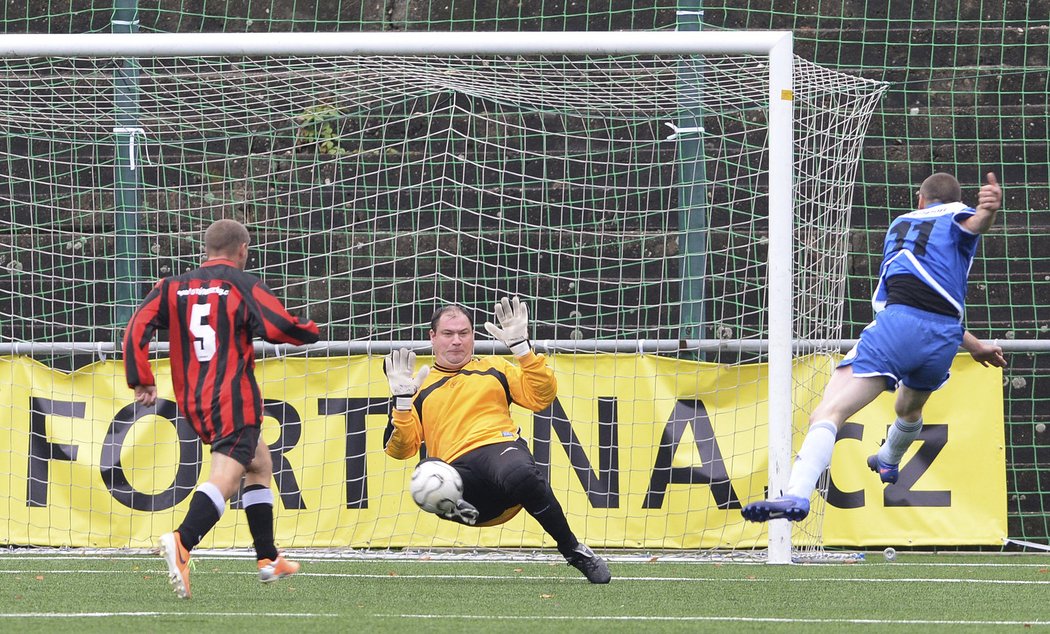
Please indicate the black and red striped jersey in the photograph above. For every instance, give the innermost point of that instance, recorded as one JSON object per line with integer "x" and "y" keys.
{"x": 211, "y": 315}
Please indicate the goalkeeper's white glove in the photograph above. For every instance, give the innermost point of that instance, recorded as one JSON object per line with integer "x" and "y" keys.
{"x": 398, "y": 367}
{"x": 513, "y": 329}
{"x": 464, "y": 512}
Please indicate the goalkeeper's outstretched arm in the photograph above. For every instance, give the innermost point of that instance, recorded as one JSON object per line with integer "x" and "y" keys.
{"x": 513, "y": 329}
{"x": 534, "y": 385}
{"x": 405, "y": 438}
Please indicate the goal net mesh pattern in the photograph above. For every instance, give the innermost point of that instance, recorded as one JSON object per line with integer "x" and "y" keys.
{"x": 624, "y": 198}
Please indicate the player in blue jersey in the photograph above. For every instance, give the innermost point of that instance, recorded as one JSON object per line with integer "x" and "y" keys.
{"x": 920, "y": 303}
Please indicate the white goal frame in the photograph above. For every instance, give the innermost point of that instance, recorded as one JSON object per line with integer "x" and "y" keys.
{"x": 777, "y": 45}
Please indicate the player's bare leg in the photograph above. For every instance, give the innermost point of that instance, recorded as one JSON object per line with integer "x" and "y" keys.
{"x": 901, "y": 434}
{"x": 206, "y": 507}
{"x": 258, "y": 500}
{"x": 844, "y": 396}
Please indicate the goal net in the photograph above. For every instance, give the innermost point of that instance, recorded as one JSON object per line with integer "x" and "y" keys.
{"x": 625, "y": 196}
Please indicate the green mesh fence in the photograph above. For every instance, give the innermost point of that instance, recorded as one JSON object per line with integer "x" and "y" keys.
{"x": 968, "y": 85}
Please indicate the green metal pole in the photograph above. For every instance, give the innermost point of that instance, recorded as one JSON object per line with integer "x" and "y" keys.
{"x": 691, "y": 177}
{"x": 127, "y": 135}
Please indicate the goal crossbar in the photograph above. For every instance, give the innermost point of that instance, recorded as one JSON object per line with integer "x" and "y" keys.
{"x": 399, "y": 43}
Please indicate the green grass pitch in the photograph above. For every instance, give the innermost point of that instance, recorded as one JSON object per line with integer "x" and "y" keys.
{"x": 916, "y": 593}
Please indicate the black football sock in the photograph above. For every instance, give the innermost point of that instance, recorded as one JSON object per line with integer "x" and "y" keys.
{"x": 200, "y": 519}
{"x": 260, "y": 519}
{"x": 549, "y": 514}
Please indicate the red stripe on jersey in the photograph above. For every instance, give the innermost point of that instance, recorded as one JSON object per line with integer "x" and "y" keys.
{"x": 214, "y": 313}
{"x": 144, "y": 322}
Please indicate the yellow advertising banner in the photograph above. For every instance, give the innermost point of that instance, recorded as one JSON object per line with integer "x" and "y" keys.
{"x": 642, "y": 451}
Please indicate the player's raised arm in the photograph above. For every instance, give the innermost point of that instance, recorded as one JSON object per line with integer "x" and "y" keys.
{"x": 513, "y": 329}
{"x": 403, "y": 434}
{"x": 989, "y": 199}
{"x": 534, "y": 386}
{"x": 399, "y": 366}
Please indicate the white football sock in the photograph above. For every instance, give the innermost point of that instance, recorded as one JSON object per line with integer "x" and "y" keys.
{"x": 214, "y": 494}
{"x": 813, "y": 458}
{"x": 898, "y": 439}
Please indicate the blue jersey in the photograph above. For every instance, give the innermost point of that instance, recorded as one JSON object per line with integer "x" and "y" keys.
{"x": 931, "y": 245}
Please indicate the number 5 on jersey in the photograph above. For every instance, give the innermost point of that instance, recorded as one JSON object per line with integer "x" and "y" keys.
{"x": 203, "y": 333}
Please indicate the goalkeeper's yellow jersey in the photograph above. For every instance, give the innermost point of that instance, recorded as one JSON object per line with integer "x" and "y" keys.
{"x": 459, "y": 410}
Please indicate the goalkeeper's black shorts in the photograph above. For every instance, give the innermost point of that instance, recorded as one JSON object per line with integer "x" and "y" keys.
{"x": 493, "y": 477}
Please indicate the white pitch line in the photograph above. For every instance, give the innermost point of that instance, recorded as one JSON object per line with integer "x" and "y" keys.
{"x": 571, "y": 579}
{"x": 77, "y": 615}
{"x": 206, "y": 556}
{"x": 709, "y": 619}
{"x": 474, "y": 617}
{"x": 1035, "y": 582}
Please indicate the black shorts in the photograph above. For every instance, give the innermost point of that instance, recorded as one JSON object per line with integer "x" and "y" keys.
{"x": 484, "y": 472}
{"x": 240, "y": 445}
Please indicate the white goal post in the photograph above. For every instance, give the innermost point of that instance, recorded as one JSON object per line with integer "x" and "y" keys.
{"x": 779, "y": 314}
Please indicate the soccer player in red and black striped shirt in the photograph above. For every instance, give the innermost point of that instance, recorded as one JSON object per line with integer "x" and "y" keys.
{"x": 212, "y": 315}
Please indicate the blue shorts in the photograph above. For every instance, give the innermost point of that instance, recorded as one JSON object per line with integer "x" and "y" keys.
{"x": 907, "y": 346}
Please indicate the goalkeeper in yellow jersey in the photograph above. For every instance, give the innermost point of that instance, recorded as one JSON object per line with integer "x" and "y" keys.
{"x": 461, "y": 409}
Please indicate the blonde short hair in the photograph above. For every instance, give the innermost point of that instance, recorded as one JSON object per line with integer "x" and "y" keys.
{"x": 224, "y": 237}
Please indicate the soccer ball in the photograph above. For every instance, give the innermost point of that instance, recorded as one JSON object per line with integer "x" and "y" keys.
{"x": 436, "y": 486}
